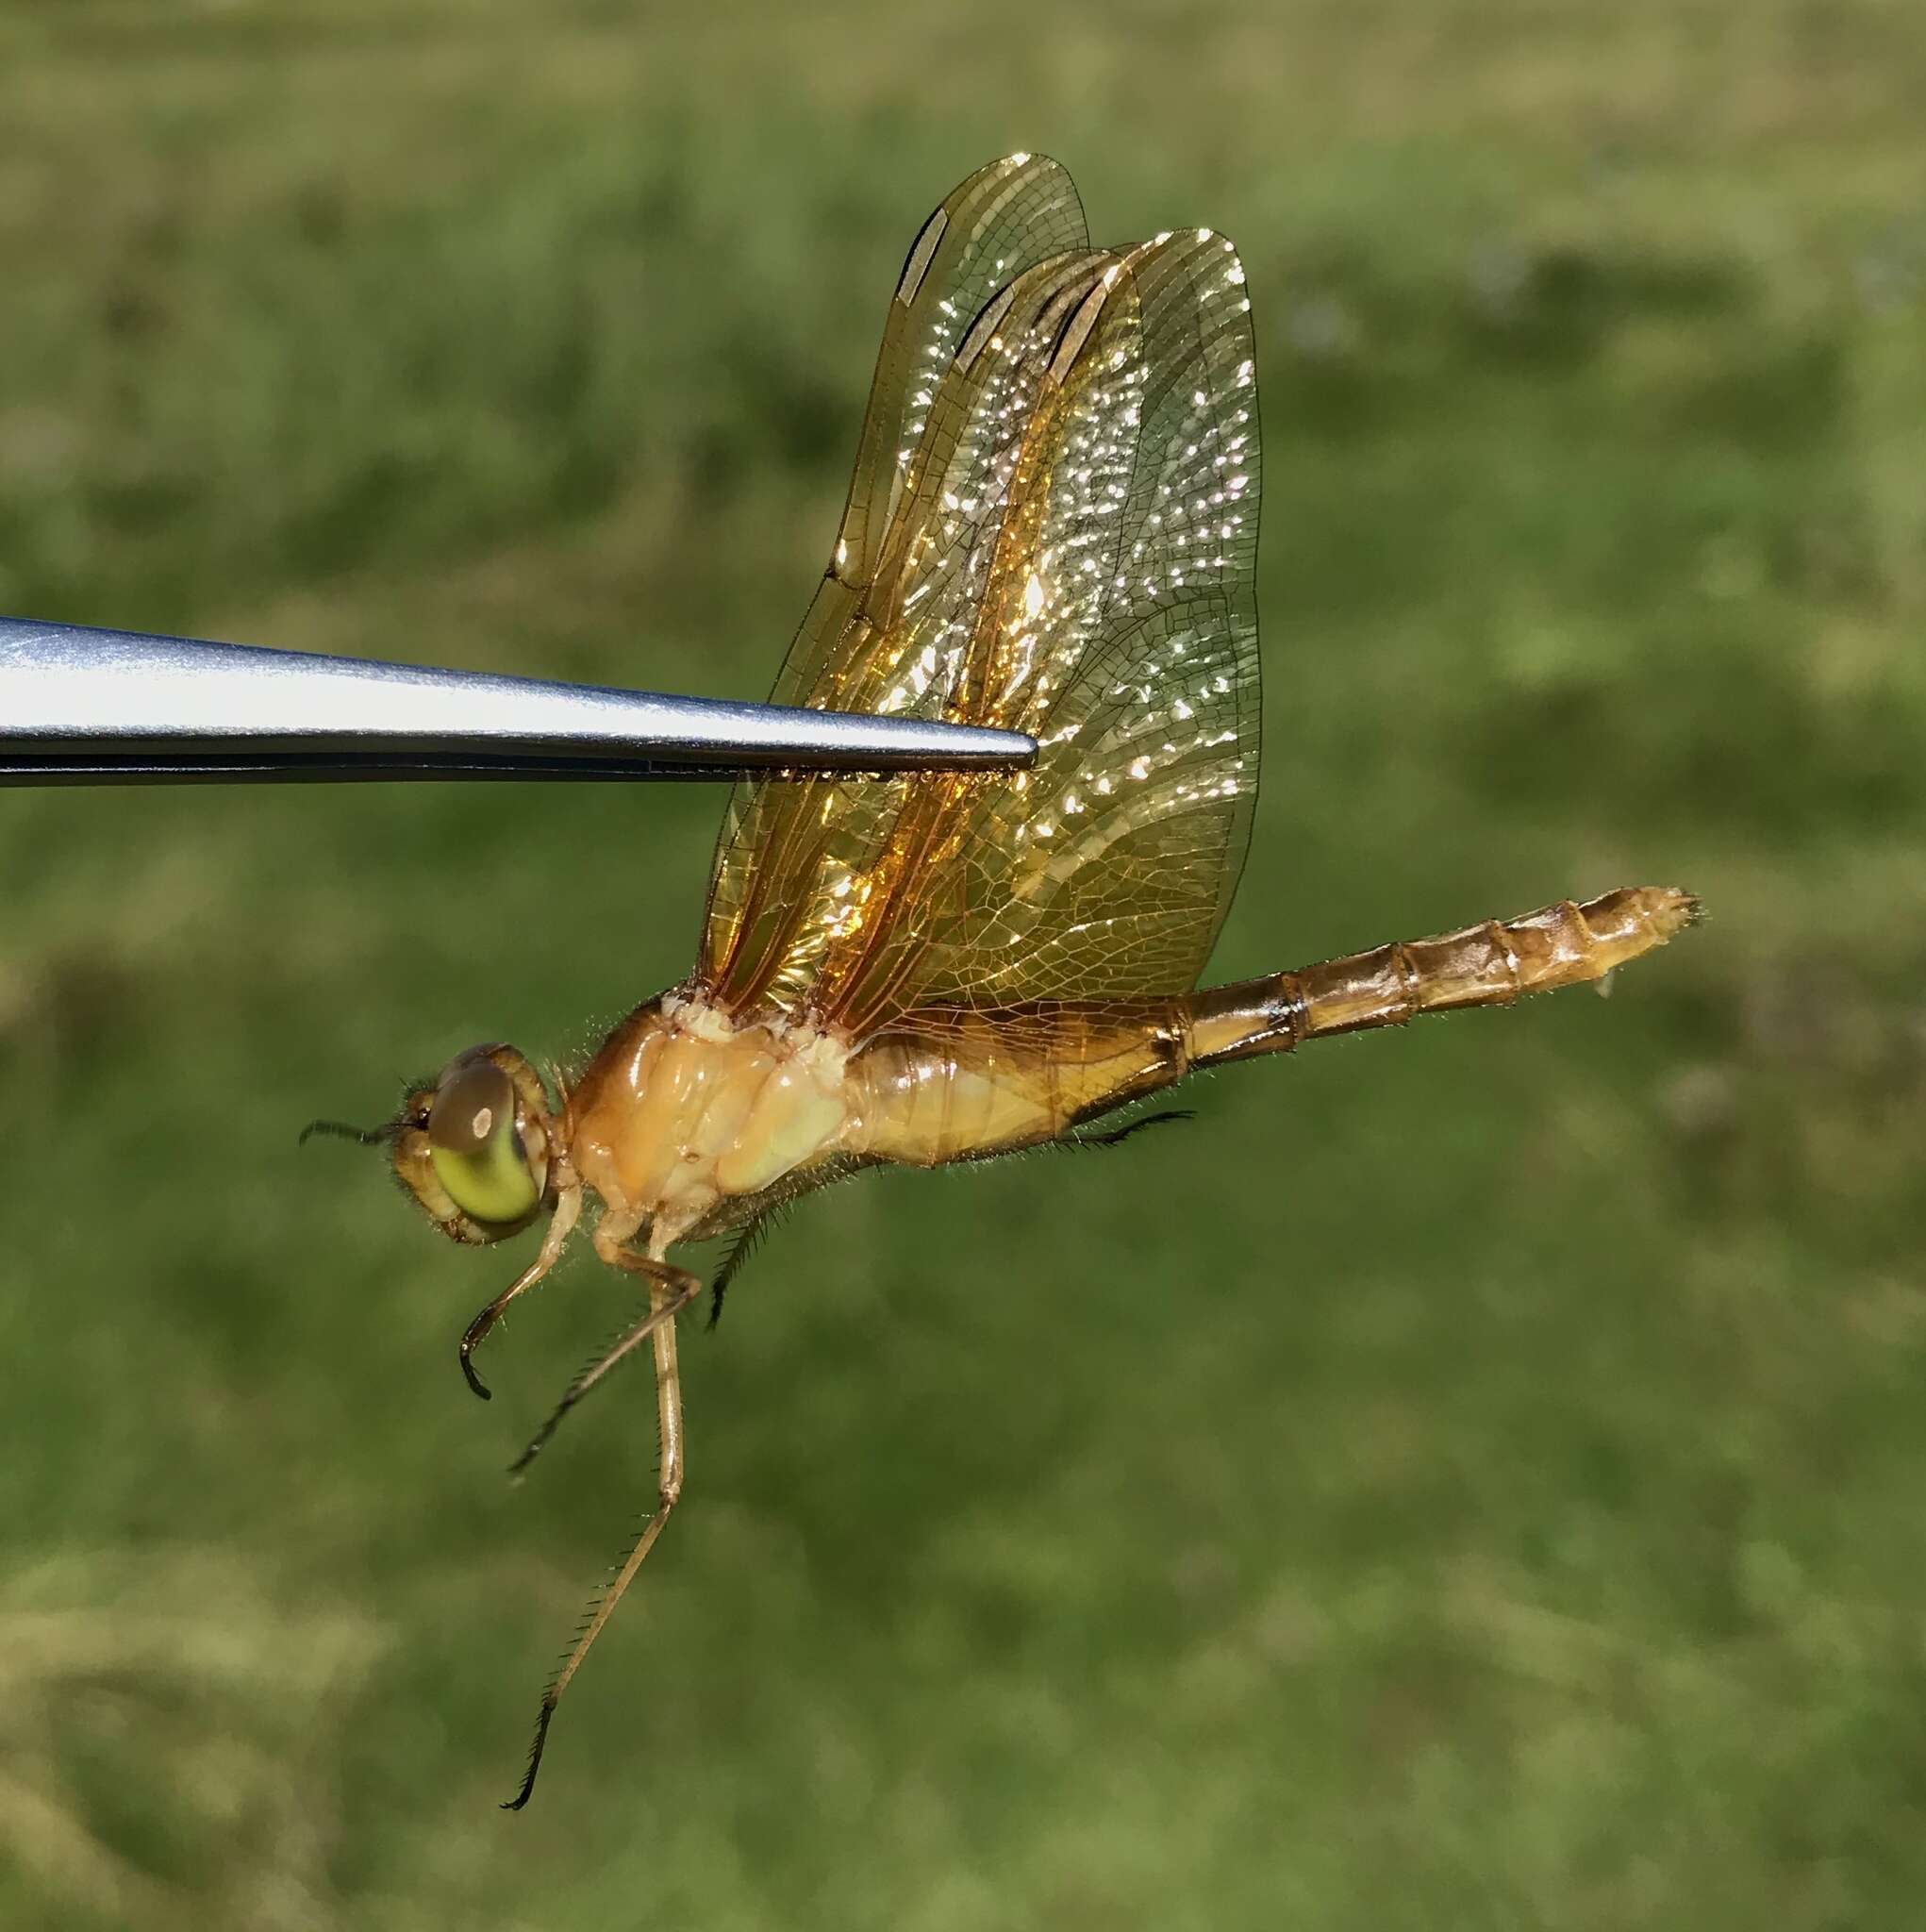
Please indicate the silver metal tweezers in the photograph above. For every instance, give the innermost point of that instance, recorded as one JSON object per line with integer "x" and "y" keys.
{"x": 83, "y": 706}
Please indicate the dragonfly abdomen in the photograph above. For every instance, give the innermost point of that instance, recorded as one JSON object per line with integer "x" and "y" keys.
{"x": 953, "y": 1084}
{"x": 1490, "y": 965}
{"x": 956, "y": 1085}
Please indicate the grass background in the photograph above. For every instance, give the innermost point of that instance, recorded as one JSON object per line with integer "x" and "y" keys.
{"x": 1470, "y": 1477}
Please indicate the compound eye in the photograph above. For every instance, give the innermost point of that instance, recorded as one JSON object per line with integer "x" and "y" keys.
{"x": 478, "y": 1154}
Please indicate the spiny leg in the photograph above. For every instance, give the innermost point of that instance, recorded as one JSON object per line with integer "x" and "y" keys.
{"x": 1117, "y": 1136}
{"x": 567, "y": 1207}
{"x": 740, "y": 1249}
{"x": 666, "y": 1285}
{"x": 631, "y": 1339}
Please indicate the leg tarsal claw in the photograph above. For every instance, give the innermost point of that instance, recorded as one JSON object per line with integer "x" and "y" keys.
{"x": 521, "y": 1797}
{"x": 475, "y": 1381}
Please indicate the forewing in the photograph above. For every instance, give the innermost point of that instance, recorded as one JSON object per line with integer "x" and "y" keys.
{"x": 1004, "y": 219}
{"x": 1071, "y": 554}
{"x": 987, "y": 232}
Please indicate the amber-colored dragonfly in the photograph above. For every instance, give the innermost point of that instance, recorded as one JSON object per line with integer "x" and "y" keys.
{"x": 1051, "y": 528}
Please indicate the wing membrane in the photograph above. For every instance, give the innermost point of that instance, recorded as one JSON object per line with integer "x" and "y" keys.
{"x": 1007, "y": 217}
{"x": 1071, "y": 552}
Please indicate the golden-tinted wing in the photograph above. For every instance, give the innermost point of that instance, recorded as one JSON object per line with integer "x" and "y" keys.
{"x": 987, "y": 232}
{"x": 1071, "y": 554}
{"x": 1006, "y": 218}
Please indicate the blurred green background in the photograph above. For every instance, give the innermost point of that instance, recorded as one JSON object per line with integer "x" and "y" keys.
{"x": 1469, "y": 1477}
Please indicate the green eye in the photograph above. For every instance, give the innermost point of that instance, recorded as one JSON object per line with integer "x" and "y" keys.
{"x": 478, "y": 1154}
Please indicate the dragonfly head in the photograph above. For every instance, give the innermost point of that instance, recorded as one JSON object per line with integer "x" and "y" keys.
{"x": 473, "y": 1146}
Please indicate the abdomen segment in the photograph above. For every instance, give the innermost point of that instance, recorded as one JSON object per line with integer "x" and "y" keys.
{"x": 1486, "y": 965}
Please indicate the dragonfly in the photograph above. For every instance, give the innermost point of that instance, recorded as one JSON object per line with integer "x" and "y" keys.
{"x": 1051, "y": 528}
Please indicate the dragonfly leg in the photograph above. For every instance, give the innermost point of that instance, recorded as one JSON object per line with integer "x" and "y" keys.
{"x": 687, "y": 1289}
{"x": 667, "y": 1286}
{"x": 740, "y": 1249}
{"x": 568, "y": 1206}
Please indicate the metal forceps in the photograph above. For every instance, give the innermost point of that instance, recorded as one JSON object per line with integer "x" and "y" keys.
{"x": 80, "y": 705}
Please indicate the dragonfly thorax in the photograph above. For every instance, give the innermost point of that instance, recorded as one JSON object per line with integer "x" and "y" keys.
{"x": 684, "y": 1110}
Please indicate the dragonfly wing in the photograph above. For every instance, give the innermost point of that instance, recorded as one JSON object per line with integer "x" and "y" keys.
{"x": 1006, "y": 218}
{"x": 1106, "y": 871}
{"x": 998, "y": 224}
{"x": 1069, "y": 553}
